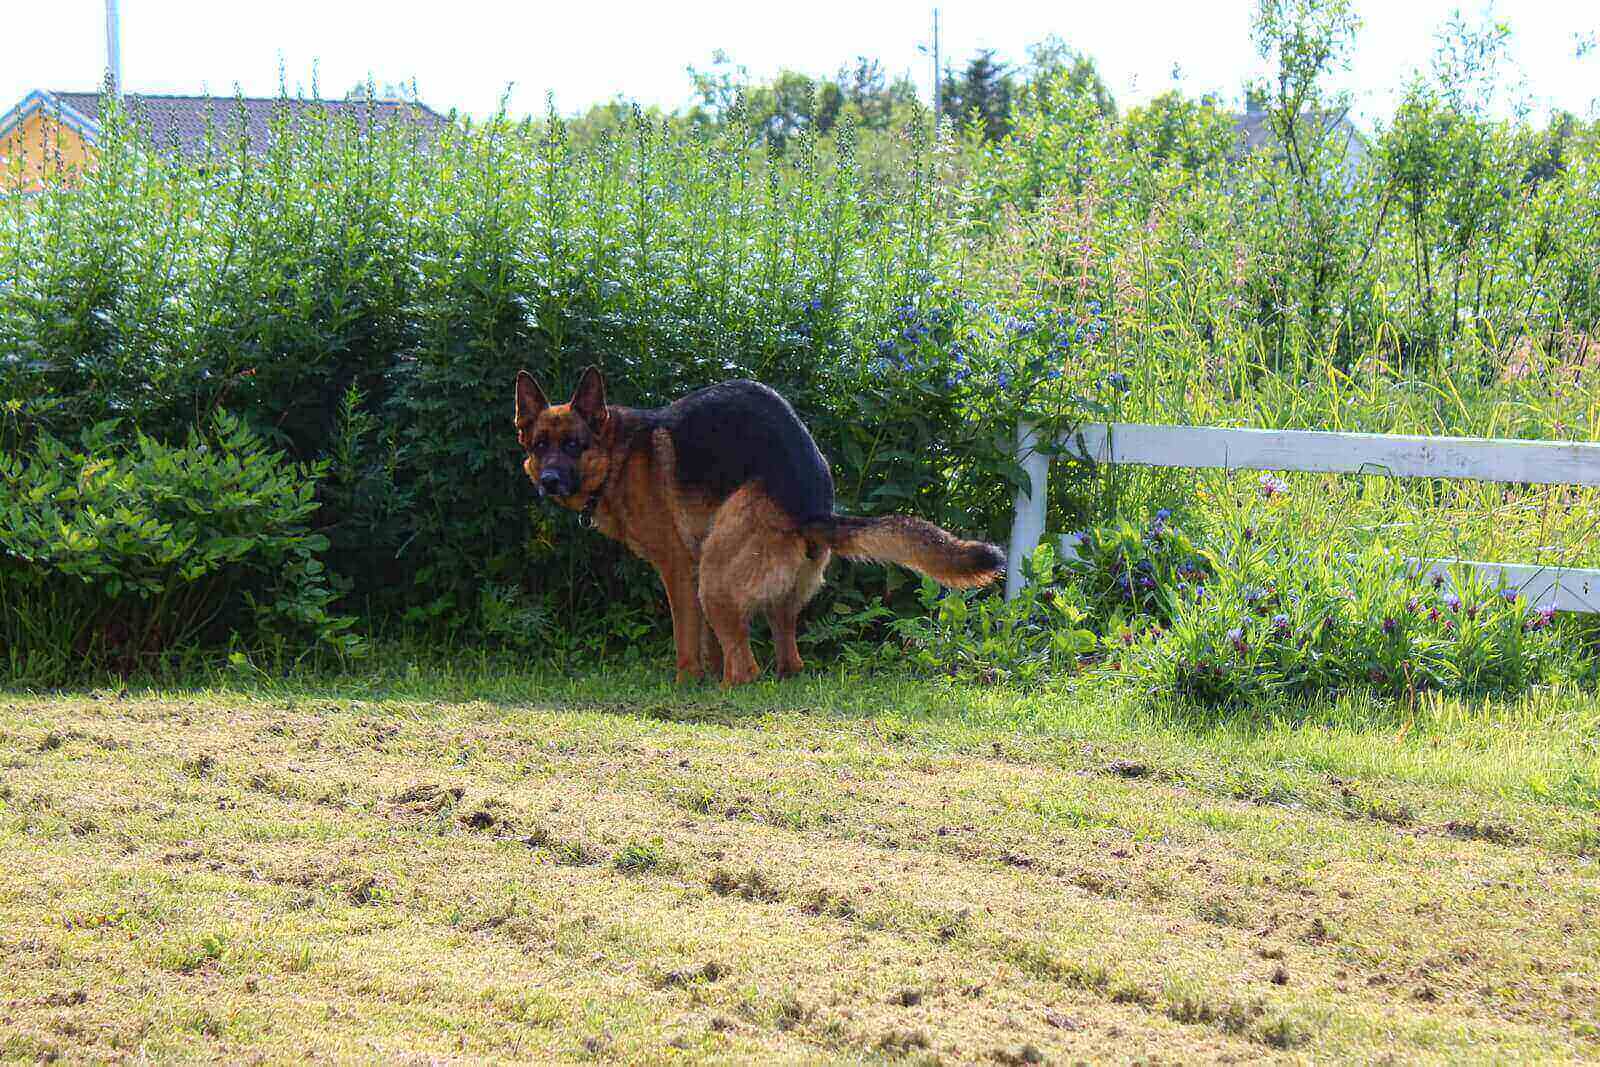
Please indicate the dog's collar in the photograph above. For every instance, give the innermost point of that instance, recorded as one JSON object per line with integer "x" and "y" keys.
{"x": 586, "y": 516}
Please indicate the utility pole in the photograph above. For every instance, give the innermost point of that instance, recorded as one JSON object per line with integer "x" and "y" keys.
{"x": 113, "y": 49}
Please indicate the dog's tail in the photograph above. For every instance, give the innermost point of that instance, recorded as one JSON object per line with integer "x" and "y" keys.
{"x": 913, "y": 543}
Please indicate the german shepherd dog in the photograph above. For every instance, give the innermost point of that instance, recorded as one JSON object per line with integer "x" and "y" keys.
{"x": 725, "y": 492}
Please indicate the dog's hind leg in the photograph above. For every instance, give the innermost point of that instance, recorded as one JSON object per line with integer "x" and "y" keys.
{"x": 748, "y": 563}
{"x": 784, "y": 615}
{"x": 710, "y": 648}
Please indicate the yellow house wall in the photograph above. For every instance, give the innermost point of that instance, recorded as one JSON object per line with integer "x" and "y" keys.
{"x": 33, "y": 151}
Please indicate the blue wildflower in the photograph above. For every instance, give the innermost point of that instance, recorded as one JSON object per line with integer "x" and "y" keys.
{"x": 1004, "y": 379}
{"x": 885, "y": 347}
{"x": 1117, "y": 380}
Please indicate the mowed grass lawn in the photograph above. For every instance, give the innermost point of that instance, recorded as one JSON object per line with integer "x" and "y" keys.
{"x": 541, "y": 869}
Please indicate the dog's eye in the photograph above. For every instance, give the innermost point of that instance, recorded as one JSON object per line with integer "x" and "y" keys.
{"x": 573, "y": 446}
{"x": 540, "y": 445}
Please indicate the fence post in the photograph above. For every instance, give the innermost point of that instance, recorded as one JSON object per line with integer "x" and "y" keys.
{"x": 1028, "y": 513}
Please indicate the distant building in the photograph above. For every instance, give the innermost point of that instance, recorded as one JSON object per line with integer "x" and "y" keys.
{"x": 55, "y": 133}
{"x": 1256, "y": 134}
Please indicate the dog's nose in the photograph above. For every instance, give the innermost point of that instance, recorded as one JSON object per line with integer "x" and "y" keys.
{"x": 550, "y": 482}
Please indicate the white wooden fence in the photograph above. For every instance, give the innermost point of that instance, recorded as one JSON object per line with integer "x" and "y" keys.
{"x": 1482, "y": 459}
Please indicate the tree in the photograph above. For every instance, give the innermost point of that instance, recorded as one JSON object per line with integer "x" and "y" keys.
{"x": 1196, "y": 135}
{"x": 1303, "y": 41}
{"x": 867, "y": 90}
{"x": 1551, "y": 148}
{"x": 781, "y": 109}
{"x": 1053, "y": 66}
{"x": 982, "y": 94}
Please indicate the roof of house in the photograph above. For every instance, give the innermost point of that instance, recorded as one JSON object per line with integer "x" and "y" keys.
{"x": 1256, "y": 132}
{"x": 181, "y": 121}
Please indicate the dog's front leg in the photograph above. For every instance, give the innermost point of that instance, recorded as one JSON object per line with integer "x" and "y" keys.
{"x": 678, "y": 575}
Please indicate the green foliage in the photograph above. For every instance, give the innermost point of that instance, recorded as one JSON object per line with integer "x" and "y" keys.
{"x": 122, "y": 552}
{"x": 1127, "y": 572}
{"x": 362, "y": 299}
{"x": 1025, "y": 641}
{"x": 980, "y": 96}
{"x": 1277, "y": 618}
{"x": 1196, "y": 135}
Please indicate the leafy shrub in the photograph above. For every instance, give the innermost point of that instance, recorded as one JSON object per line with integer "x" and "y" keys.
{"x": 122, "y": 553}
{"x": 1127, "y": 572}
{"x": 1024, "y": 641}
{"x": 1275, "y": 619}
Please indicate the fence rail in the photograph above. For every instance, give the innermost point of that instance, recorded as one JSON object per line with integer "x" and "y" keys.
{"x": 1315, "y": 451}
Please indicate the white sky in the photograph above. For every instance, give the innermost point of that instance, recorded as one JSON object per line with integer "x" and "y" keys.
{"x": 465, "y": 53}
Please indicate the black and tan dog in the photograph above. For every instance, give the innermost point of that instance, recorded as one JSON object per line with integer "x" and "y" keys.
{"x": 726, "y": 493}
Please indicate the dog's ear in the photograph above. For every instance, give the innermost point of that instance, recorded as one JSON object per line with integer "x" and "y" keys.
{"x": 530, "y": 398}
{"x": 589, "y": 399}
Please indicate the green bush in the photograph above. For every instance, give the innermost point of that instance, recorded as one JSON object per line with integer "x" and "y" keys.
{"x": 1040, "y": 634}
{"x": 1275, "y": 619}
{"x": 1129, "y": 573}
{"x": 121, "y": 552}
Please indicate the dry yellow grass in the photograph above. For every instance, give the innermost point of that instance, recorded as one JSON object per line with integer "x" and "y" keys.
{"x": 218, "y": 876}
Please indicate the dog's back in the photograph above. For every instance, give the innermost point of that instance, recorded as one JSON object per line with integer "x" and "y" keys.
{"x": 734, "y": 433}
